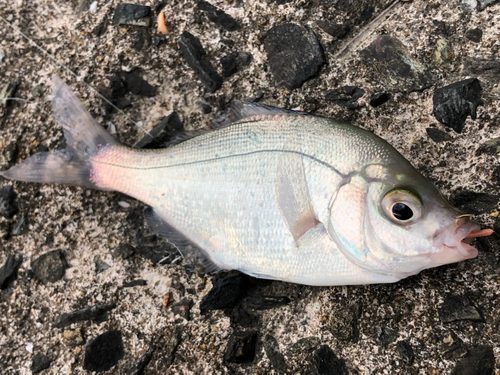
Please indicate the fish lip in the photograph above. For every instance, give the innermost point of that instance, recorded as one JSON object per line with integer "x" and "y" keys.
{"x": 451, "y": 242}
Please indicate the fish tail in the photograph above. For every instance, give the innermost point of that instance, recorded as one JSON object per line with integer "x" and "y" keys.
{"x": 84, "y": 139}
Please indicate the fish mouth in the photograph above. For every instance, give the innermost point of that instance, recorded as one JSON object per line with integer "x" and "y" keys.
{"x": 454, "y": 241}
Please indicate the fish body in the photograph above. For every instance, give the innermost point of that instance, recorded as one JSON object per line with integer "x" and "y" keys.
{"x": 274, "y": 194}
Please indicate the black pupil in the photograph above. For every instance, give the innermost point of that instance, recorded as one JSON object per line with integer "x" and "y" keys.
{"x": 402, "y": 212}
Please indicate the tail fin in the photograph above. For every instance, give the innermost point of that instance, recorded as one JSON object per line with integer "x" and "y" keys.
{"x": 84, "y": 137}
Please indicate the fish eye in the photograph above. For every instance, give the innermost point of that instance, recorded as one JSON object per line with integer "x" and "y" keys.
{"x": 402, "y": 206}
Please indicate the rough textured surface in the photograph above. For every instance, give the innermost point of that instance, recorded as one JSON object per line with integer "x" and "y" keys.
{"x": 103, "y": 352}
{"x": 85, "y": 223}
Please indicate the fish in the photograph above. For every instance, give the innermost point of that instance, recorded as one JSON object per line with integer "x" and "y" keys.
{"x": 273, "y": 193}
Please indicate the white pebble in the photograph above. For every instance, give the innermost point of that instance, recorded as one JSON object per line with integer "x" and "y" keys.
{"x": 93, "y": 7}
{"x": 123, "y": 204}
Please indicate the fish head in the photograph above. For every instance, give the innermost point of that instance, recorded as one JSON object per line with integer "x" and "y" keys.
{"x": 391, "y": 220}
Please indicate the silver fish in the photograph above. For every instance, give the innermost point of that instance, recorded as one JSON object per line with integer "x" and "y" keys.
{"x": 275, "y": 194}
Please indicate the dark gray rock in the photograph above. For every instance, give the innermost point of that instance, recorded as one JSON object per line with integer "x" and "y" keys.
{"x": 218, "y": 16}
{"x": 183, "y": 308}
{"x": 474, "y": 35}
{"x": 21, "y": 225}
{"x": 103, "y": 352}
{"x": 50, "y": 267}
{"x": 40, "y": 362}
{"x": 142, "y": 362}
{"x": 377, "y": 99}
{"x": 474, "y": 203}
{"x": 9, "y": 269}
{"x": 196, "y": 58}
{"x": 124, "y": 251}
{"x": 454, "y": 347}
{"x": 405, "y": 351}
{"x": 225, "y": 293}
{"x": 96, "y": 313}
{"x": 241, "y": 347}
{"x": 366, "y": 14}
{"x": 491, "y": 147}
{"x": 163, "y": 132}
{"x": 479, "y": 361}
{"x": 8, "y": 206}
{"x": 293, "y": 53}
{"x": 324, "y": 361}
{"x": 394, "y": 68}
{"x": 488, "y": 69}
{"x": 258, "y": 301}
{"x": 385, "y": 336}
{"x": 437, "y": 135}
{"x": 336, "y": 30}
{"x": 240, "y": 317}
{"x": 344, "y": 323}
{"x": 229, "y": 65}
{"x": 142, "y": 39}
{"x": 456, "y": 308}
{"x": 455, "y": 102}
{"x": 100, "y": 265}
{"x": 345, "y": 96}
{"x": 10, "y": 152}
{"x": 204, "y": 107}
{"x": 132, "y": 82}
{"x": 131, "y": 14}
{"x": 138, "y": 282}
{"x": 273, "y": 352}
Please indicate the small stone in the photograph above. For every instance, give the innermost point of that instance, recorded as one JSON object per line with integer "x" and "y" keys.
{"x": 241, "y": 347}
{"x": 277, "y": 359}
{"x": 97, "y": 313}
{"x": 10, "y": 152}
{"x": 196, "y": 58}
{"x": 142, "y": 39}
{"x": 294, "y": 54}
{"x": 8, "y": 206}
{"x": 344, "y": 323}
{"x": 474, "y": 35}
{"x": 438, "y": 135}
{"x": 385, "y": 336}
{"x": 229, "y": 66}
{"x": 131, "y": 14}
{"x": 183, "y": 308}
{"x": 456, "y": 308}
{"x": 336, "y": 30}
{"x": 100, "y": 265}
{"x": 225, "y": 293}
{"x": 73, "y": 337}
{"x": 479, "y": 361}
{"x": 138, "y": 282}
{"x": 345, "y": 96}
{"x": 21, "y": 225}
{"x": 134, "y": 83}
{"x": 142, "y": 362}
{"x": 40, "y": 362}
{"x": 491, "y": 147}
{"x": 394, "y": 68}
{"x": 204, "y": 107}
{"x": 443, "y": 53}
{"x": 218, "y": 16}
{"x": 454, "y": 347}
{"x": 481, "y": 4}
{"x": 49, "y": 267}
{"x": 124, "y": 251}
{"x": 103, "y": 352}
{"x": 366, "y": 14}
{"x": 164, "y": 131}
{"x": 377, "y": 99}
{"x": 261, "y": 302}
{"x": 453, "y": 103}
{"x": 241, "y": 317}
{"x": 474, "y": 203}
{"x": 324, "y": 361}
{"x": 405, "y": 351}
{"x": 9, "y": 269}
{"x": 7, "y": 92}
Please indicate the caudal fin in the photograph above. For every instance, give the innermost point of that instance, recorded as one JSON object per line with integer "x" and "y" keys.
{"x": 84, "y": 137}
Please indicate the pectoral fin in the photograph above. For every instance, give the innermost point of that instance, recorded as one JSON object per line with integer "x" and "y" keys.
{"x": 292, "y": 195}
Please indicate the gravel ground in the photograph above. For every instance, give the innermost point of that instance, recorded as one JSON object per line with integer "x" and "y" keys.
{"x": 441, "y": 321}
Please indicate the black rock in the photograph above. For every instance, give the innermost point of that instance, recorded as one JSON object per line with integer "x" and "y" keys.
{"x": 394, "y": 68}
{"x": 10, "y": 152}
{"x": 453, "y": 103}
{"x": 474, "y": 35}
{"x": 438, "y": 135}
{"x": 366, "y": 14}
{"x": 459, "y": 308}
{"x": 474, "y": 203}
{"x": 39, "y": 363}
{"x": 164, "y": 131}
{"x": 491, "y": 147}
{"x": 204, "y": 107}
{"x": 142, "y": 362}
{"x": 138, "y": 282}
{"x": 100, "y": 265}
{"x": 261, "y": 302}
{"x": 96, "y": 313}
{"x": 50, "y": 267}
{"x": 344, "y": 323}
{"x": 134, "y": 83}
{"x": 241, "y": 317}
{"x": 345, "y": 96}
{"x": 8, "y": 206}
{"x": 103, "y": 352}
{"x": 9, "y": 269}
{"x": 241, "y": 347}
{"x": 480, "y": 361}
{"x": 385, "y": 336}
{"x": 441, "y": 28}
{"x": 229, "y": 65}
{"x": 277, "y": 359}
{"x": 142, "y": 40}
{"x": 21, "y": 225}
{"x": 124, "y": 251}
{"x": 294, "y": 54}
{"x": 378, "y": 99}
{"x": 324, "y": 361}
{"x": 131, "y": 14}
{"x": 196, "y": 58}
{"x": 489, "y": 69}
{"x": 336, "y": 30}
{"x": 218, "y": 16}
{"x": 225, "y": 293}
{"x": 183, "y": 308}
{"x": 405, "y": 351}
